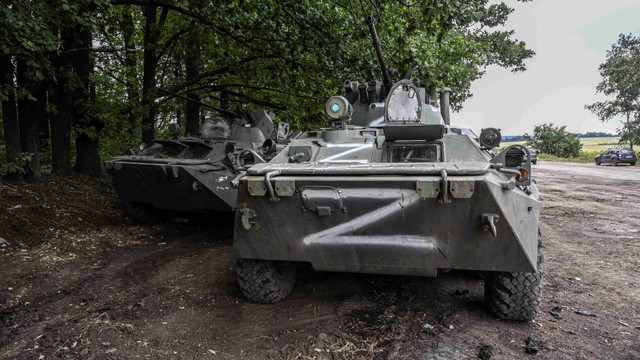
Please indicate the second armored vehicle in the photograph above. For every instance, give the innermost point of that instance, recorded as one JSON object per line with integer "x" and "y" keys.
{"x": 193, "y": 174}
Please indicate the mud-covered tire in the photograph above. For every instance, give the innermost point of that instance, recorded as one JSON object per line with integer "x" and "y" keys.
{"x": 614, "y": 162}
{"x": 517, "y": 295}
{"x": 143, "y": 214}
{"x": 265, "y": 281}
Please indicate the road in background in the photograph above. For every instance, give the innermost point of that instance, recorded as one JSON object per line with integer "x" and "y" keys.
{"x": 621, "y": 172}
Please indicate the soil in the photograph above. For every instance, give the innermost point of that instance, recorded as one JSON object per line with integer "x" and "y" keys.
{"x": 79, "y": 281}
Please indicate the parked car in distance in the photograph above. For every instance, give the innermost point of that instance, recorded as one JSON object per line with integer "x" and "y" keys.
{"x": 534, "y": 156}
{"x": 616, "y": 156}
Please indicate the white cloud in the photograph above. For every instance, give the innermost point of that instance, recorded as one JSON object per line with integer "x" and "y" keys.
{"x": 570, "y": 38}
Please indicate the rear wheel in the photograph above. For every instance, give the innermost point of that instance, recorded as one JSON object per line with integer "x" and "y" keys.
{"x": 143, "y": 214}
{"x": 265, "y": 281}
{"x": 516, "y": 295}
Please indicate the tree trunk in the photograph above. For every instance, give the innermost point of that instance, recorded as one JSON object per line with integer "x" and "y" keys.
{"x": 29, "y": 113}
{"x": 629, "y": 131}
{"x": 149, "y": 69}
{"x": 63, "y": 98}
{"x": 192, "y": 65}
{"x": 128, "y": 29}
{"x": 10, "y": 116}
{"x": 224, "y": 99}
{"x": 88, "y": 126}
{"x": 192, "y": 108}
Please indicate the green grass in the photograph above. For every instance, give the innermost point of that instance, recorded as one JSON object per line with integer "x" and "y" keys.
{"x": 590, "y": 148}
{"x": 584, "y": 157}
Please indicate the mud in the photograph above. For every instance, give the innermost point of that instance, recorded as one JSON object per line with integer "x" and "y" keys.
{"x": 79, "y": 282}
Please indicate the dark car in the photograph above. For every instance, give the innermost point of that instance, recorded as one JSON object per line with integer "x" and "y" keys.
{"x": 617, "y": 156}
{"x": 534, "y": 156}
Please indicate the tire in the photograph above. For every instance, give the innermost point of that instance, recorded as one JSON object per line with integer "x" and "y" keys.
{"x": 614, "y": 162}
{"x": 598, "y": 162}
{"x": 265, "y": 281}
{"x": 515, "y": 296}
{"x": 534, "y": 162}
{"x": 143, "y": 214}
{"x": 633, "y": 163}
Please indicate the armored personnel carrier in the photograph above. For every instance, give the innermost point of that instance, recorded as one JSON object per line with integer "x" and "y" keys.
{"x": 392, "y": 188}
{"x": 193, "y": 174}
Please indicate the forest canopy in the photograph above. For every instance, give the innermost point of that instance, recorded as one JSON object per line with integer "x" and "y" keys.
{"x": 84, "y": 80}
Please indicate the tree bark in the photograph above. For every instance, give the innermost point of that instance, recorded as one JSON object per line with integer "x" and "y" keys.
{"x": 10, "y": 115}
{"x": 128, "y": 29}
{"x": 29, "y": 113}
{"x": 63, "y": 98}
{"x": 87, "y": 124}
{"x": 629, "y": 130}
{"x": 149, "y": 69}
{"x": 192, "y": 108}
{"x": 224, "y": 99}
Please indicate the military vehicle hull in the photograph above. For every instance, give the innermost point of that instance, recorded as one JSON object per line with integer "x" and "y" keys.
{"x": 193, "y": 174}
{"x": 188, "y": 186}
{"x": 412, "y": 197}
{"x": 386, "y": 223}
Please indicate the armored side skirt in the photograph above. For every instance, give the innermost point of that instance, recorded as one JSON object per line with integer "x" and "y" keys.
{"x": 409, "y": 225}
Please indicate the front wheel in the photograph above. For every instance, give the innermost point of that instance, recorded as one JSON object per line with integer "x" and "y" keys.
{"x": 265, "y": 281}
{"x": 633, "y": 163}
{"x": 516, "y": 295}
{"x": 615, "y": 162}
{"x": 598, "y": 162}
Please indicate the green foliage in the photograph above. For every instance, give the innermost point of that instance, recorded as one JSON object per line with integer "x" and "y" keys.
{"x": 554, "y": 140}
{"x": 282, "y": 55}
{"x": 291, "y": 56}
{"x": 17, "y": 167}
{"x": 583, "y": 157}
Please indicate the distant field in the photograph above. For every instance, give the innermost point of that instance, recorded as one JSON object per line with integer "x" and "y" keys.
{"x": 598, "y": 144}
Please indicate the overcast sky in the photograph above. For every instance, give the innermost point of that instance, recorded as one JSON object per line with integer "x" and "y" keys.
{"x": 570, "y": 38}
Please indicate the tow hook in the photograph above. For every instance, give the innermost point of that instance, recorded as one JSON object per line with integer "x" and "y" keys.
{"x": 488, "y": 223}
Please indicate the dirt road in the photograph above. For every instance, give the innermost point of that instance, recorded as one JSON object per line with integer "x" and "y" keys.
{"x": 621, "y": 172}
{"x": 79, "y": 282}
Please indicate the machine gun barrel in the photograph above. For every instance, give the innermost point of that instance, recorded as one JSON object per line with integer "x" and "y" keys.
{"x": 376, "y": 44}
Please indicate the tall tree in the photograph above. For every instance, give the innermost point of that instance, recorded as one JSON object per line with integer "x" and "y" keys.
{"x": 192, "y": 108}
{"x": 31, "y": 108}
{"x": 62, "y": 100}
{"x": 150, "y": 65}
{"x": 87, "y": 124}
{"x": 10, "y": 117}
{"x": 621, "y": 83}
{"x": 128, "y": 28}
